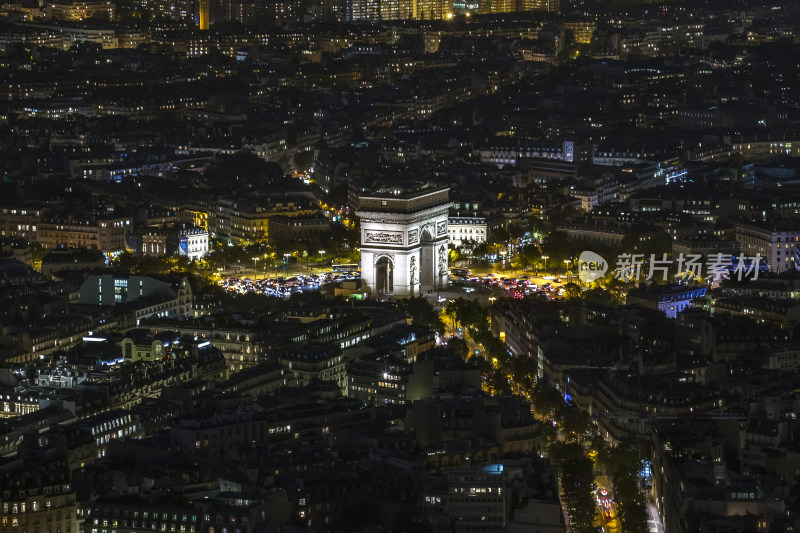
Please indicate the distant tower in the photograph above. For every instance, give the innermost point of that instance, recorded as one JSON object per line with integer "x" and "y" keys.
{"x": 202, "y": 14}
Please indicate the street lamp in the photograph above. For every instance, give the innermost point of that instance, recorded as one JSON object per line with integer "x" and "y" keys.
{"x": 545, "y": 257}
{"x": 255, "y": 268}
{"x": 568, "y": 262}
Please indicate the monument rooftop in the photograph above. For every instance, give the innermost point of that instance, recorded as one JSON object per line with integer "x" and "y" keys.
{"x": 404, "y": 198}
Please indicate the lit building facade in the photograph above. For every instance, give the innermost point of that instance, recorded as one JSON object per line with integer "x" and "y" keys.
{"x": 461, "y": 230}
{"x": 48, "y": 508}
{"x": 404, "y": 241}
{"x": 106, "y": 235}
{"x": 474, "y": 500}
{"x": 780, "y": 246}
{"x": 316, "y": 361}
{"x": 189, "y": 242}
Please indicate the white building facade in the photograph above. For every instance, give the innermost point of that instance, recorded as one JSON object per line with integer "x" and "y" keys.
{"x": 404, "y": 241}
{"x": 780, "y": 246}
{"x": 461, "y": 230}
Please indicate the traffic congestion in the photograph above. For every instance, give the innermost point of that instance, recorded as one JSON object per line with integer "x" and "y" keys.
{"x": 285, "y": 286}
{"x": 515, "y": 287}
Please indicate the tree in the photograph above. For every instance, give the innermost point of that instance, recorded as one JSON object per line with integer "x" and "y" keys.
{"x": 303, "y": 159}
{"x": 515, "y": 236}
{"x": 422, "y": 312}
{"x": 455, "y": 256}
{"x": 127, "y": 262}
{"x": 601, "y": 296}
{"x": 481, "y": 250}
{"x": 468, "y": 313}
{"x": 546, "y": 400}
{"x": 576, "y": 472}
{"x": 467, "y": 249}
{"x": 539, "y": 228}
{"x": 526, "y": 256}
{"x": 459, "y": 346}
{"x": 572, "y": 291}
{"x": 575, "y": 423}
{"x": 622, "y": 466}
{"x": 499, "y": 236}
{"x": 558, "y": 247}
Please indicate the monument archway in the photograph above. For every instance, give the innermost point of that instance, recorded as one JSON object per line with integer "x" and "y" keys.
{"x": 384, "y": 274}
{"x": 404, "y": 240}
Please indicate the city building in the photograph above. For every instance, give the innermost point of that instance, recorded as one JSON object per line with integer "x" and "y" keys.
{"x": 462, "y": 230}
{"x": 315, "y": 361}
{"x": 778, "y": 244}
{"x": 191, "y": 242}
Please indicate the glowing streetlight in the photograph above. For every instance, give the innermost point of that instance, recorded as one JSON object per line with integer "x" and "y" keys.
{"x": 545, "y": 257}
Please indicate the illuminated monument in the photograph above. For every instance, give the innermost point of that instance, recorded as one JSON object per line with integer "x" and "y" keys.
{"x": 404, "y": 240}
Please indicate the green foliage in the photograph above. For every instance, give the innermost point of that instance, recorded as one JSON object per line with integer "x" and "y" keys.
{"x": 540, "y": 227}
{"x": 575, "y": 422}
{"x": 526, "y": 257}
{"x": 480, "y": 250}
{"x": 422, "y": 312}
{"x": 499, "y": 236}
{"x": 622, "y": 467}
{"x": 572, "y": 291}
{"x": 524, "y": 371}
{"x": 558, "y": 247}
{"x": 577, "y": 480}
{"x": 469, "y": 313}
{"x": 151, "y": 265}
{"x": 546, "y": 400}
{"x": 459, "y": 346}
{"x": 303, "y": 160}
{"x": 601, "y": 296}
{"x": 480, "y": 363}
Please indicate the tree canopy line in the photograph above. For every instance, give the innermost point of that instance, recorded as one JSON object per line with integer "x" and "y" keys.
{"x": 567, "y": 430}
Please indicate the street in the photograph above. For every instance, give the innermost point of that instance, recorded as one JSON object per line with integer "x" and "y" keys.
{"x": 654, "y": 523}
{"x": 608, "y": 516}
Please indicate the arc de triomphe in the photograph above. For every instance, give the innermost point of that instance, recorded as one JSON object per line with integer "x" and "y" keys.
{"x": 404, "y": 241}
